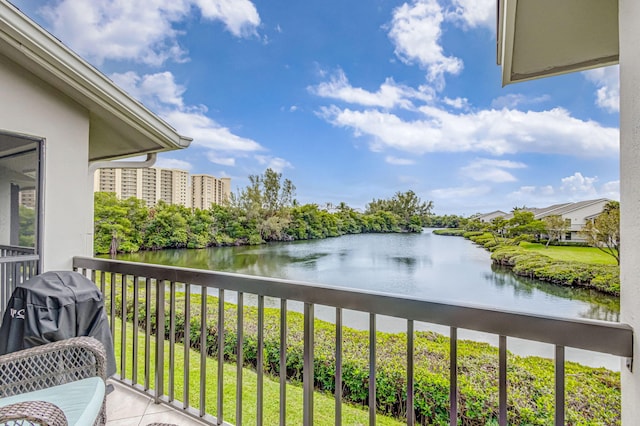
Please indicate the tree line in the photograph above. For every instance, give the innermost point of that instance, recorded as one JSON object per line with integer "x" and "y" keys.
{"x": 266, "y": 210}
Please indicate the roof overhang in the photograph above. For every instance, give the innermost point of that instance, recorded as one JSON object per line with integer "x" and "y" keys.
{"x": 120, "y": 126}
{"x": 540, "y": 38}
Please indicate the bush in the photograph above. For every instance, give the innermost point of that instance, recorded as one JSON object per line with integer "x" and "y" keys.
{"x": 450, "y": 232}
{"x": 530, "y": 379}
{"x": 605, "y": 278}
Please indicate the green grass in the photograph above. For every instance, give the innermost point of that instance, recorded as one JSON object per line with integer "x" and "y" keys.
{"x": 590, "y": 255}
{"x": 324, "y": 405}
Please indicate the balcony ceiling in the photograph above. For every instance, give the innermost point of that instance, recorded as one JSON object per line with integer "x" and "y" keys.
{"x": 540, "y": 38}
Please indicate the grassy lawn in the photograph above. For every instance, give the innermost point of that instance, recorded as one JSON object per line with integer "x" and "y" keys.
{"x": 589, "y": 255}
{"x": 324, "y": 405}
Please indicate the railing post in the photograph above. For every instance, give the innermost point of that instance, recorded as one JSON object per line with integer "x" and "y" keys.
{"x": 372, "y": 369}
{"x": 411, "y": 415}
{"x": 453, "y": 376}
{"x": 159, "y": 340}
{"x": 307, "y": 367}
{"x": 559, "y": 373}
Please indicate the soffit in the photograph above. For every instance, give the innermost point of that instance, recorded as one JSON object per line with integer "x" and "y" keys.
{"x": 540, "y": 38}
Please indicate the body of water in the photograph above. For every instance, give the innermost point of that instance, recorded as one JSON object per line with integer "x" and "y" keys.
{"x": 424, "y": 266}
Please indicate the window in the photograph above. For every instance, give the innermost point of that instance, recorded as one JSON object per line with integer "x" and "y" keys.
{"x": 20, "y": 193}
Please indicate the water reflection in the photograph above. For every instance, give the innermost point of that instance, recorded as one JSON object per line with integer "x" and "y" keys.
{"x": 424, "y": 266}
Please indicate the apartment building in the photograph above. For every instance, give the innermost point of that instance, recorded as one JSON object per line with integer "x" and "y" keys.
{"x": 207, "y": 190}
{"x": 150, "y": 184}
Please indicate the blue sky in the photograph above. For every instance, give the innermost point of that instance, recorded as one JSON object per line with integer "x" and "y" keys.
{"x": 353, "y": 100}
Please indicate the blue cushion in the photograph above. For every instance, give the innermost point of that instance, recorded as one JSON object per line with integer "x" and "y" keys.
{"x": 80, "y": 401}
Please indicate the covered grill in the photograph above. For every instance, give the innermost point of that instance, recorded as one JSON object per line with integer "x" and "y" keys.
{"x": 55, "y": 306}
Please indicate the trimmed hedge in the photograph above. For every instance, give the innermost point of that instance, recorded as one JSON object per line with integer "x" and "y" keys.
{"x": 592, "y": 395}
{"x": 450, "y": 231}
{"x": 604, "y": 278}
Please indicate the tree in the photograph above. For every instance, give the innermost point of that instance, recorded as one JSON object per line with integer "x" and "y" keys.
{"x": 27, "y": 227}
{"x": 603, "y": 232}
{"x": 555, "y": 227}
{"x": 524, "y": 223}
{"x": 118, "y": 225}
{"x": 405, "y": 205}
{"x": 498, "y": 227}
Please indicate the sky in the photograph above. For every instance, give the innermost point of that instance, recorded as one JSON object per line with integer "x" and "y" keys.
{"x": 353, "y": 100}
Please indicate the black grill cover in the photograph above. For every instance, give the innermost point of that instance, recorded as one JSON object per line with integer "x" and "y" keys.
{"x": 55, "y": 306}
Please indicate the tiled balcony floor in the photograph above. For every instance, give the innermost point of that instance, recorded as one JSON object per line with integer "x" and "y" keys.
{"x": 126, "y": 407}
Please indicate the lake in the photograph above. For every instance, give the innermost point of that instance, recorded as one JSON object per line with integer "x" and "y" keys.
{"x": 424, "y": 266}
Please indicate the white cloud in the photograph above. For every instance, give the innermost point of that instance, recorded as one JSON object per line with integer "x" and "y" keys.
{"x": 207, "y": 133}
{"x": 484, "y": 169}
{"x": 475, "y": 13}
{"x": 223, "y": 161}
{"x": 277, "y": 164}
{"x": 608, "y": 82}
{"x": 459, "y": 192}
{"x": 399, "y": 161}
{"x": 576, "y": 187}
{"x": 578, "y": 184}
{"x": 141, "y": 31}
{"x": 611, "y": 190}
{"x": 496, "y": 132}
{"x": 162, "y": 94}
{"x": 173, "y": 163}
{"x": 513, "y": 100}
{"x": 156, "y": 91}
{"x": 239, "y": 16}
{"x": 390, "y": 94}
{"x": 458, "y": 103}
{"x": 415, "y": 30}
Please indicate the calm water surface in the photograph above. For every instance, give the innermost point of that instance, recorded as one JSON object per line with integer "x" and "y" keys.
{"x": 425, "y": 266}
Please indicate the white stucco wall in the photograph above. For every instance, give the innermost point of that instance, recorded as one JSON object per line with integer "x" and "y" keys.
{"x": 29, "y": 106}
{"x": 578, "y": 216}
{"x": 630, "y": 198}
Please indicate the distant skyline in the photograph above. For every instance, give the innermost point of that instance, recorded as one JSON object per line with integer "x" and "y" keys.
{"x": 353, "y": 101}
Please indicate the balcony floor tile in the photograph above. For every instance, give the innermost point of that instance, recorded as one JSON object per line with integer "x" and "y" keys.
{"x": 126, "y": 407}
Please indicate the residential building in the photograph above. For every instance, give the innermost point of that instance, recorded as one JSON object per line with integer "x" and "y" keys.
{"x": 488, "y": 217}
{"x": 150, "y": 184}
{"x": 575, "y": 215}
{"x": 207, "y": 190}
{"x": 27, "y": 198}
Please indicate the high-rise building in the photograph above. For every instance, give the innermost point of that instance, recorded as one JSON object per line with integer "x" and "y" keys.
{"x": 27, "y": 198}
{"x": 207, "y": 190}
{"x": 150, "y": 184}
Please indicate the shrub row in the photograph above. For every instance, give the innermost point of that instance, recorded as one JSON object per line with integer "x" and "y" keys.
{"x": 450, "y": 231}
{"x": 604, "y": 278}
{"x": 590, "y": 393}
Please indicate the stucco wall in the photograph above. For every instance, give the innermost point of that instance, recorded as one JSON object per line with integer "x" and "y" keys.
{"x": 630, "y": 198}
{"x": 31, "y": 107}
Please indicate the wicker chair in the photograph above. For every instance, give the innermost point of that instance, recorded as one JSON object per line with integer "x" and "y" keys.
{"x": 43, "y": 367}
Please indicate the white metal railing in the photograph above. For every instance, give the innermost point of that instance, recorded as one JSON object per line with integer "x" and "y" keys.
{"x": 17, "y": 264}
{"x": 114, "y": 278}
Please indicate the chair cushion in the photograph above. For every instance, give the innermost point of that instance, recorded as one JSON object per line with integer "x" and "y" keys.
{"x": 80, "y": 401}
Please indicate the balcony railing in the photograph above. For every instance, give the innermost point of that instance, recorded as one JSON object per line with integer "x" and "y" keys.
{"x": 17, "y": 264}
{"x": 133, "y": 289}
